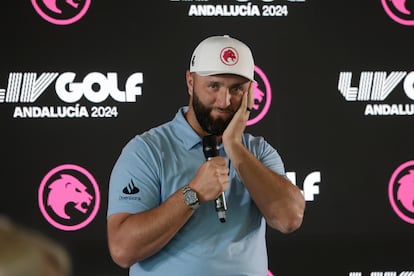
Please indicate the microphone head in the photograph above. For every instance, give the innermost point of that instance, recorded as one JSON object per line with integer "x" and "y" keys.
{"x": 210, "y": 146}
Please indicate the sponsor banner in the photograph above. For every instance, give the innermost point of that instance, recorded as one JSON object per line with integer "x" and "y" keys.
{"x": 24, "y": 90}
{"x": 375, "y": 87}
{"x": 237, "y": 8}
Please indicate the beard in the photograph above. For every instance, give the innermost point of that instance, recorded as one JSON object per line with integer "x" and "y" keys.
{"x": 215, "y": 126}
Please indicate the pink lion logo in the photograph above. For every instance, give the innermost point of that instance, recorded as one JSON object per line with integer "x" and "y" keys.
{"x": 258, "y": 96}
{"x": 59, "y": 190}
{"x": 397, "y": 10}
{"x": 68, "y": 189}
{"x": 401, "y": 191}
{"x": 61, "y": 12}
{"x": 262, "y": 97}
{"x": 400, "y": 6}
{"x": 406, "y": 191}
{"x": 52, "y": 5}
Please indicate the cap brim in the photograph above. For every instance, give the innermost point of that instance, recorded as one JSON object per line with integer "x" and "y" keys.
{"x": 211, "y": 73}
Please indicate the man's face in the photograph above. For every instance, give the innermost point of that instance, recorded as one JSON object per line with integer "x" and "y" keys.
{"x": 216, "y": 99}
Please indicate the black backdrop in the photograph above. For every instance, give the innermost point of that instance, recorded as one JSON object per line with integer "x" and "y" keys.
{"x": 339, "y": 146}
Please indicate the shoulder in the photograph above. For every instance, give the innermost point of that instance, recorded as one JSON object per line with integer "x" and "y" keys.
{"x": 151, "y": 139}
{"x": 254, "y": 142}
{"x": 260, "y": 147}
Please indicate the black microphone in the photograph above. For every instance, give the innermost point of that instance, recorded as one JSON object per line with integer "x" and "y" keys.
{"x": 211, "y": 149}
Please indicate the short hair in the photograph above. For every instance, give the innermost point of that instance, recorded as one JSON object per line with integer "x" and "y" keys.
{"x": 26, "y": 252}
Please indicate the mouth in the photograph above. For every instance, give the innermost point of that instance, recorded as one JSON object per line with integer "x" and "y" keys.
{"x": 222, "y": 111}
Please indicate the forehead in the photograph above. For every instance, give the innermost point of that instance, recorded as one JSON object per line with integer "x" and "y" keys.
{"x": 227, "y": 79}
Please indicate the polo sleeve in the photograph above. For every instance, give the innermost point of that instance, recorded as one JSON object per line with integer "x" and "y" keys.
{"x": 134, "y": 182}
{"x": 267, "y": 154}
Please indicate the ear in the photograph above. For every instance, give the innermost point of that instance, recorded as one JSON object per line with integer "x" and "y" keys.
{"x": 189, "y": 81}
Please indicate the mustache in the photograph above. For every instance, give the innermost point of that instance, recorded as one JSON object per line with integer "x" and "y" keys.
{"x": 227, "y": 109}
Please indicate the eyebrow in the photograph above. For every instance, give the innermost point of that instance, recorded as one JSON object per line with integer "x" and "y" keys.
{"x": 232, "y": 85}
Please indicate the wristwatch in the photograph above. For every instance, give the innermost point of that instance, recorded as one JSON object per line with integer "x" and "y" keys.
{"x": 190, "y": 197}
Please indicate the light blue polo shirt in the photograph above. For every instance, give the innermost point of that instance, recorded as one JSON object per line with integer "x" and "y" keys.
{"x": 156, "y": 164}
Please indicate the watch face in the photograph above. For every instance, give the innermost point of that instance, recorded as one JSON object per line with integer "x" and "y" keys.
{"x": 190, "y": 197}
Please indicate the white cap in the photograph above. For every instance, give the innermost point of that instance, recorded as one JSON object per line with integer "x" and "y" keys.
{"x": 222, "y": 55}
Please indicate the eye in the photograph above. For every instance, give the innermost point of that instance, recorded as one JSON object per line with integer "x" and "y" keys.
{"x": 236, "y": 90}
{"x": 214, "y": 85}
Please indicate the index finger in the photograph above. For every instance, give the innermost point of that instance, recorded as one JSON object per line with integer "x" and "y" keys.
{"x": 250, "y": 96}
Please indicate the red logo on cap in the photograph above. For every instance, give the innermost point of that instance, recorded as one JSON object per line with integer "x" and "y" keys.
{"x": 229, "y": 56}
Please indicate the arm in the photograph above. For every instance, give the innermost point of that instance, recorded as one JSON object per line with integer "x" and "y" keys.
{"x": 280, "y": 202}
{"x": 134, "y": 237}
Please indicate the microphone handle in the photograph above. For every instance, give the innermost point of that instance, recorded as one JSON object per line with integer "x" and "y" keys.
{"x": 210, "y": 149}
{"x": 221, "y": 205}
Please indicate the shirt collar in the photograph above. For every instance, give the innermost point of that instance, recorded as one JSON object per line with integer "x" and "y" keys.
{"x": 189, "y": 138}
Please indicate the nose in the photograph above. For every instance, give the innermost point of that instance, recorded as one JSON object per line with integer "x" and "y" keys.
{"x": 223, "y": 98}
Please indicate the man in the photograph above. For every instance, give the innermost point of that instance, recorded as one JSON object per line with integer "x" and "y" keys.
{"x": 168, "y": 224}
